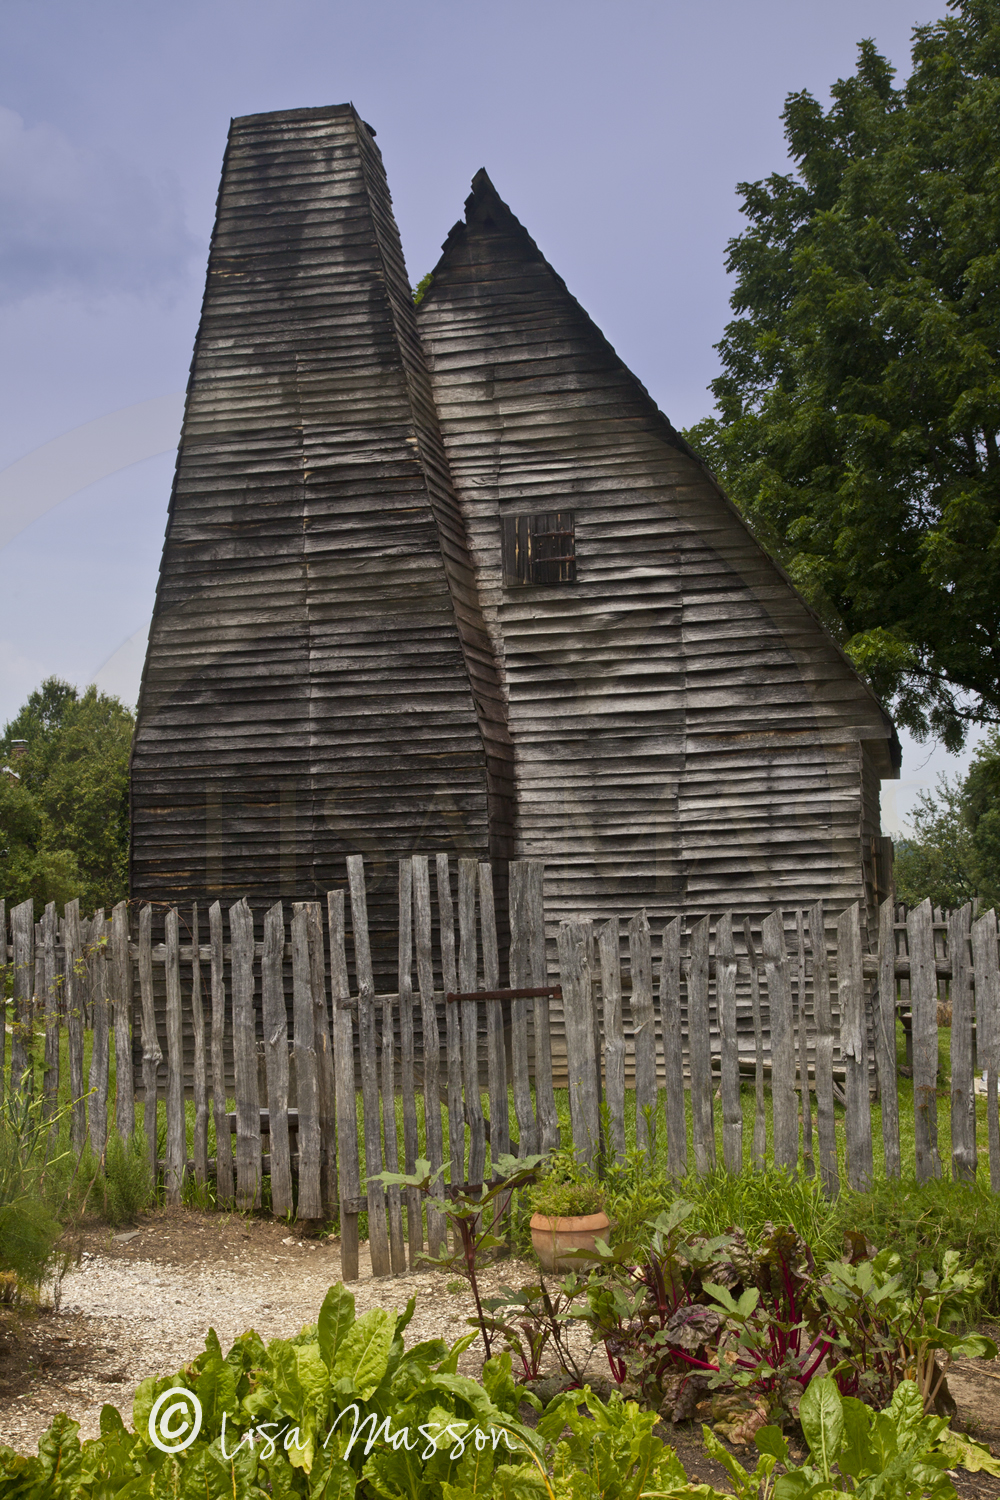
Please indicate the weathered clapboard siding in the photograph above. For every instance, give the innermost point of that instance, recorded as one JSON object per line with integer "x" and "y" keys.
{"x": 686, "y": 733}
{"x": 319, "y": 679}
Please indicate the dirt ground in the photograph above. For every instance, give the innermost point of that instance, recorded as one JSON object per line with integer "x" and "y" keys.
{"x": 140, "y": 1302}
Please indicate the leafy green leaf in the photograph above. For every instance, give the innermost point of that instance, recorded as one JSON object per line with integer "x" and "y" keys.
{"x": 821, "y": 1413}
{"x": 336, "y": 1316}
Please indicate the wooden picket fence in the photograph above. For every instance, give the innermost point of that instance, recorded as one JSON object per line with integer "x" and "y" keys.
{"x": 288, "y": 1024}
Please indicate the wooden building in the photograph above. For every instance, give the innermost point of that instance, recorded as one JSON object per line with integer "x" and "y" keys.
{"x": 445, "y": 578}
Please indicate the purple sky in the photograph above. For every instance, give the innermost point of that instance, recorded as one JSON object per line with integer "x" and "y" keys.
{"x": 617, "y": 133}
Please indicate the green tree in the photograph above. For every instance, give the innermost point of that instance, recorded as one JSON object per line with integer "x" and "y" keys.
{"x": 859, "y": 403}
{"x": 64, "y": 825}
{"x": 954, "y": 854}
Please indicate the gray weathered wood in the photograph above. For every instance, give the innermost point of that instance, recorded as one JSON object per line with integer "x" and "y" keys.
{"x": 74, "y": 992}
{"x": 22, "y": 929}
{"x": 378, "y": 1228}
{"x": 431, "y": 1037}
{"x": 249, "y": 1166}
{"x": 581, "y": 1065}
{"x": 223, "y": 1139}
{"x": 520, "y": 968}
{"x": 200, "y": 1081}
{"x": 274, "y": 1014}
{"x": 349, "y": 1174}
{"x": 545, "y": 1101}
{"x": 923, "y": 999}
{"x": 784, "y": 1102}
{"x": 496, "y": 1056}
{"x": 609, "y": 950}
{"x": 397, "y": 1242}
{"x": 802, "y": 1028}
{"x": 673, "y": 1056}
{"x": 453, "y": 1023}
{"x": 48, "y": 996}
{"x": 963, "y": 1096}
{"x": 407, "y": 1062}
{"x": 468, "y": 970}
{"x": 700, "y": 1052}
{"x": 97, "y": 963}
{"x": 152, "y": 1056}
{"x": 643, "y": 1030}
{"x": 176, "y": 1150}
{"x": 758, "y": 1151}
{"x": 986, "y": 965}
{"x": 121, "y": 990}
{"x": 725, "y": 990}
{"x": 323, "y": 1047}
{"x": 826, "y": 1130}
{"x": 885, "y": 1039}
{"x": 854, "y": 1050}
{"x": 310, "y": 1200}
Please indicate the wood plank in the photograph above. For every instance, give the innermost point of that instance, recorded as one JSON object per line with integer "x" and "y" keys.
{"x": 519, "y": 964}
{"x": 826, "y": 1129}
{"x": 75, "y": 989}
{"x": 249, "y": 1168}
{"x": 310, "y": 1199}
{"x": 431, "y": 1039}
{"x": 348, "y": 1161}
{"x": 758, "y": 1154}
{"x": 397, "y": 1242}
{"x": 643, "y": 1031}
{"x": 121, "y": 990}
{"x": 986, "y": 965}
{"x": 885, "y": 1040}
{"x": 200, "y": 1081}
{"x": 854, "y": 1050}
{"x": 545, "y": 1101}
{"x": 323, "y": 1048}
{"x": 573, "y": 944}
{"x": 802, "y": 1030}
{"x": 468, "y": 970}
{"x": 453, "y": 1022}
{"x": 407, "y": 1067}
{"x": 97, "y": 1114}
{"x": 378, "y": 1229}
{"x": 725, "y": 990}
{"x": 275, "y": 1018}
{"x": 784, "y": 1103}
{"x": 609, "y": 951}
{"x": 223, "y": 1142}
{"x": 48, "y": 998}
{"x": 152, "y": 1056}
{"x": 964, "y": 1158}
{"x": 673, "y": 1055}
{"x": 923, "y": 999}
{"x": 496, "y": 1056}
{"x": 176, "y": 1151}
{"x": 700, "y": 1051}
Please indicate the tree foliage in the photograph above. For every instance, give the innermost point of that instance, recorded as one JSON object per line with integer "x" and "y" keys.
{"x": 64, "y": 821}
{"x": 859, "y": 403}
{"x": 954, "y": 855}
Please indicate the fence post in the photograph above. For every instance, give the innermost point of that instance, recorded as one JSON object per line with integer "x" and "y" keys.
{"x": 151, "y": 1054}
{"x": 963, "y": 1095}
{"x": 803, "y": 1036}
{"x": 275, "y": 1018}
{"x": 414, "y": 1208}
{"x": 431, "y": 1038}
{"x": 121, "y": 982}
{"x": 700, "y": 1051}
{"x": 758, "y": 1151}
{"x": 346, "y": 1095}
{"x": 310, "y": 1204}
{"x": 50, "y": 1005}
{"x": 223, "y": 1139}
{"x": 614, "y": 1036}
{"x": 643, "y": 1030}
{"x": 581, "y": 1063}
{"x": 378, "y": 1230}
{"x": 725, "y": 991}
{"x": 784, "y": 1103}
{"x": 200, "y": 1080}
{"x": 22, "y": 931}
{"x": 673, "y": 1050}
{"x": 496, "y": 1056}
{"x": 987, "y": 970}
{"x": 452, "y": 1022}
{"x": 73, "y": 960}
{"x": 520, "y": 961}
{"x": 324, "y": 1059}
{"x": 99, "y": 1062}
{"x": 854, "y": 1049}
{"x": 248, "y": 1148}
{"x": 885, "y": 1039}
{"x": 923, "y": 999}
{"x": 176, "y": 1154}
{"x": 826, "y": 1129}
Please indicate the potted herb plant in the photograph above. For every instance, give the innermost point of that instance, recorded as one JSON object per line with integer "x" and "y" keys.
{"x": 568, "y": 1214}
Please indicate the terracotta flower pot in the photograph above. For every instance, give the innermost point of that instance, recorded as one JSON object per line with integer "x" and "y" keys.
{"x": 552, "y": 1238}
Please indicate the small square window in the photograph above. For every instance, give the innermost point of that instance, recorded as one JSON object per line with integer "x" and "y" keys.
{"x": 539, "y": 549}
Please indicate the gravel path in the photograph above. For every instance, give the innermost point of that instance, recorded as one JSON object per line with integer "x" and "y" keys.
{"x": 142, "y": 1314}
